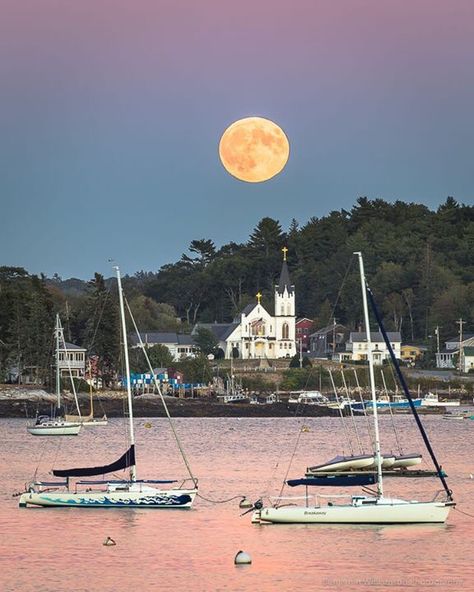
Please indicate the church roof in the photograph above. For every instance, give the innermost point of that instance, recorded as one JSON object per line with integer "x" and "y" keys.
{"x": 248, "y": 309}
{"x": 285, "y": 280}
{"x": 221, "y": 331}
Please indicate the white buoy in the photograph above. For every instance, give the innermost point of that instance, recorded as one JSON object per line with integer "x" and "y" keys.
{"x": 242, "y": 558}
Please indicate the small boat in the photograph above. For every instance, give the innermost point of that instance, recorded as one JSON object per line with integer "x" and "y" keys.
{"x": 113, "y": 493}
{"x": 50, "y": 426}
{"x": 385, "y": 404}
{"x": 432, "y": 400}
{"x": 309, "y": 398}
{"x": 56, "y": 425}
{"x": 459, "y": 415}
{"x": 403, "y": 461}
{"x": 352, "y": 463}
{"x": 343, "y": 463}
{"x": 89, "y": 420}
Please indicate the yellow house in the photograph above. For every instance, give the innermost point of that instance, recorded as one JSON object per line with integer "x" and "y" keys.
{"x": 411, "y": 353}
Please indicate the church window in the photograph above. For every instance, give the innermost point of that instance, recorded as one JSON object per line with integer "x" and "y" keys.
{"x": 285, "y": 331}
{"x": 282, "y": 310}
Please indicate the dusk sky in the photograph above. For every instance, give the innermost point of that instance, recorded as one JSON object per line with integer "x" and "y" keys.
{"x": 111, "y": 113}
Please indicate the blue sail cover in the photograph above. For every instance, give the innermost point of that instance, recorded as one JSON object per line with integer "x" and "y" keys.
{"x": 126, "y": 460}
{"x": 336, "y": 480}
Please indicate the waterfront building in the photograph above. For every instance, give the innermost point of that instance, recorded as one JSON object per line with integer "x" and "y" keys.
{"x": 329, "y": 342}
{"x": 180, "y": 345}
{"x": 72, "y": 360}
{"x": 448, "y": 357}
{"x": 412, "y": 353}
{"x": 303, "y": 331}
{"x": 356, "y": 347}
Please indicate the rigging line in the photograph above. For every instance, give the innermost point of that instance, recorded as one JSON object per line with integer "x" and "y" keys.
{"x": 465, "y": 513}
{"x": 277, "y": 464}
{"x": 101, "y": 314}
{"x": 73, "y": 386}
{"x": 344, "y": 427}
{"x": 399, "y": 446}
{"x": 351, "y": 411}
{"x": 165, "y": 406}
{"x": 370, "y": 434}
{"x": 351, "y": 261}
{"x": 404, "y": 385}
{"x": 225, "y": 501}
{"x": 290, "y": 463}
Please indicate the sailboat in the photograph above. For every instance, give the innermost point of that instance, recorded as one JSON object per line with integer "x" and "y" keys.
{"x": 112, "y": 493}
{"x": 89, "y": 420}
{"x": 56, "y": 425}
{"x": 364, "y": 509}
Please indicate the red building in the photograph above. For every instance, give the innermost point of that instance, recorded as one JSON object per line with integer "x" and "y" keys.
{"x": 304, "y": 328}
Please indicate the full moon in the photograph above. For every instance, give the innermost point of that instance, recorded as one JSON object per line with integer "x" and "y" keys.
{"x": 254, "y": 149}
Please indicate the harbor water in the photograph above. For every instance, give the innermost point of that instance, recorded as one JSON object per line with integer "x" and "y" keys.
{"x": 61, "y": 549}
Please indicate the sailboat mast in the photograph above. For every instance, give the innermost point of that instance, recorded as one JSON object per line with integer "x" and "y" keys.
{"x": 58, "y": 373}
{"x": 133, "y": 469}
{"x": 378, "y": 456}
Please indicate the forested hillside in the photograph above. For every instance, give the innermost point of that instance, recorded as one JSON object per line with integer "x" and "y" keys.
{"x": 419, "y": 262}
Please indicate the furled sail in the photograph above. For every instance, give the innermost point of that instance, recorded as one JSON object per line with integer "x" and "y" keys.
{"x": 126, "y": 460}
{"x": 336, "y": 480}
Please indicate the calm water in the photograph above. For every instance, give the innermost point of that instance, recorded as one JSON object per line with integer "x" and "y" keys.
{"x": 46, "y": 550}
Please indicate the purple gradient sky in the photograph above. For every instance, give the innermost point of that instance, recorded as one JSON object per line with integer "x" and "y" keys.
{"x": 111, "y": 113}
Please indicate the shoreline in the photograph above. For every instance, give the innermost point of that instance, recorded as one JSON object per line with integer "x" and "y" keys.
{"x": 28, "y": 402}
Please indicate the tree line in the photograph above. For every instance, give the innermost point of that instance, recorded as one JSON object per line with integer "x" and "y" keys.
{"x": 419, "y": 263}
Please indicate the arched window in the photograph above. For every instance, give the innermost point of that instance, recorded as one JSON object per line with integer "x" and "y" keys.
{"x": 282, "y": 310}
{"x": 285, "y": 331}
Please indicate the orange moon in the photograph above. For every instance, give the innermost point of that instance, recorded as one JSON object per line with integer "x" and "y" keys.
{"x": 254, "y": 149}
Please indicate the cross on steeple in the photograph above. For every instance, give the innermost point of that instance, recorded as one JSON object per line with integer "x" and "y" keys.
{"x": 259, "y": 296}
{"x": 285, "y": 251}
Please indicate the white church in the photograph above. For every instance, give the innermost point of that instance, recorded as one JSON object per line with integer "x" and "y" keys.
{"x": 255, "y": 333}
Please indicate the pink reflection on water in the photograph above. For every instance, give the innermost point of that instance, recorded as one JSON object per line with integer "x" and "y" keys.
{"x": 60, "y": 549}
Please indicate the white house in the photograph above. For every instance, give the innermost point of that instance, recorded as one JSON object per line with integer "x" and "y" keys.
{"x": 357, "y": 350}
{"x": 71, "y": 358}
{"x": 256, "y": 333}
{"x": 180, "y": 345}
{"x": 449, "y": 356}
{"x": 468, "y": 359}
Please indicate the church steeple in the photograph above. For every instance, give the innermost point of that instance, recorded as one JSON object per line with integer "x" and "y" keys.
{"x": 285, "y": 282}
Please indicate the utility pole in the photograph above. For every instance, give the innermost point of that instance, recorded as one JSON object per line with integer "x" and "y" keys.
{"x": 334, "y": 337}
{"x": 437, "y": 338}
{"x": 301, "y": 352}
{"x": 460, "y": 323}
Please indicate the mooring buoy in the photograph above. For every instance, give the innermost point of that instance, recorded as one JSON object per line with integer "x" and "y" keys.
{"x": 245, "y": 503}
{"x": 242, "y": 558}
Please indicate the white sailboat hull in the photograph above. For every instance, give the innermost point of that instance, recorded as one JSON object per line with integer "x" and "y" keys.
{"x": 95, "y": 422}
{"x": 152, "y": 498}
{"x": 407, "y": 460}
{"x": 87, "y": 420}
{"x": 384, "y": 511}
{"x": 343, "y": 463}
{"x": 55, "y": 429}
